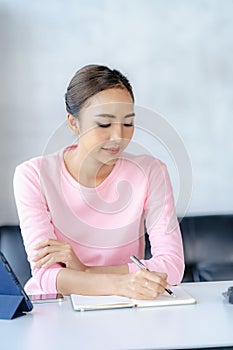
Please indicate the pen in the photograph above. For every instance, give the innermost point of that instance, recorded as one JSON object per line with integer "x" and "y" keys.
{"x": 143, "y": 267}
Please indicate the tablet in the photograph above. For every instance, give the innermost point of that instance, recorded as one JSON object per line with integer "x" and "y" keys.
{"x": 10, "y": 287}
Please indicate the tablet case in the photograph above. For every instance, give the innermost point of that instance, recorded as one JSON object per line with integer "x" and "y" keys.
{"x": 14, "y": 301}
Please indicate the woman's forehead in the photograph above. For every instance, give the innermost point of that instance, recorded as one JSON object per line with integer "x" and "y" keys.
{"x": 109, "y": 96}
{"x": 113, "y": 102}
{"x": 111, "y": 109}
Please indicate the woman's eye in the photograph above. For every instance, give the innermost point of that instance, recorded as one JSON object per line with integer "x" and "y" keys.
{"x": 103, "y": 125}
{"x": 128, "y": 125}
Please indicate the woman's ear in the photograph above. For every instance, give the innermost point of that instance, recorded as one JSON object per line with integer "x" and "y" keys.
{"x": 73, "y": 123}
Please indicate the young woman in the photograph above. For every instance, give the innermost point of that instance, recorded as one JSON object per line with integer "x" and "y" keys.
{"x": 82, "y": 210}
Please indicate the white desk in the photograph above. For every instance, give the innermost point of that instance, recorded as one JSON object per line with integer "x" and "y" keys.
{"x": 208, "y": 323}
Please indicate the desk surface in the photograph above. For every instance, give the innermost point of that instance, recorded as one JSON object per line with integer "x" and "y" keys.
{"x": 208, "y": 323}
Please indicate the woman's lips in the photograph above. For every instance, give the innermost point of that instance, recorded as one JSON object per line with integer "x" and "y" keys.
{"x": 111, "y": 150}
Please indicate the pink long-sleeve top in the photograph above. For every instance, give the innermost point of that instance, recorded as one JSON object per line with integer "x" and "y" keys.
{"x": 105, "y": 224}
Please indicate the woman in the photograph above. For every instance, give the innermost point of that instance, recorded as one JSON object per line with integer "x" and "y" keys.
{"x": 82, "y": 209}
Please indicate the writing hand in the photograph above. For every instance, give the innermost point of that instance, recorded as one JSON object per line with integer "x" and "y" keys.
{"x": 143, "y": 284}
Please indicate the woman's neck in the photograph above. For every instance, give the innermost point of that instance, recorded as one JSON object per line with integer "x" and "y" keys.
{"x": 84, "y": 169}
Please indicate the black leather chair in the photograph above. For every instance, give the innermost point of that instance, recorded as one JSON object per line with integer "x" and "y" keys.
{"x": 208, "y": 247}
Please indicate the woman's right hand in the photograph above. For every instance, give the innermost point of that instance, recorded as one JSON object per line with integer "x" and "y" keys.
{"x": 142, "y": 284}
{"x": 52, "y": 251}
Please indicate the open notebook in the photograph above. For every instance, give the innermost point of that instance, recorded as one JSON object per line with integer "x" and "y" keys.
{"x": 81, "y": 302}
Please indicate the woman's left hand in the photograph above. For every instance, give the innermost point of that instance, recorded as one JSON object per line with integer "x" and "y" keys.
{"x": 52, "y": 251}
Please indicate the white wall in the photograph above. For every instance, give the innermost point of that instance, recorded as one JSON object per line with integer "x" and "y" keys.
{"x": 178, "y": 56}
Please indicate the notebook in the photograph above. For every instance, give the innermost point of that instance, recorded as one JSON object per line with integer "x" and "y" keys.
{"x": 82, "y": 303}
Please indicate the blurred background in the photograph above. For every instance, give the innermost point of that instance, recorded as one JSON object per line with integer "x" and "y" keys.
{"x": 178, "y": 55}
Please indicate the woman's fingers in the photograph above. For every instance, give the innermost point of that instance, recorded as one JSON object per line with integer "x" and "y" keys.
{"x": 46, "y": 261}
{"x": 48, "y": 242}
{"x": 52, "y": 251}
{"x": 156, "y": 278}
{"x": 144, "y": 284}
{"x": 45, "y": 251}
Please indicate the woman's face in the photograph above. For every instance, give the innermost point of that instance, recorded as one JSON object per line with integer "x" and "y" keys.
{"x": 106, "y": 125}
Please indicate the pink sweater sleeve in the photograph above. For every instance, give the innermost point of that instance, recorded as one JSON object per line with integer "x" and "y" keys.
{"x": 35, "y": 220}
{"x": 162, "y": 227}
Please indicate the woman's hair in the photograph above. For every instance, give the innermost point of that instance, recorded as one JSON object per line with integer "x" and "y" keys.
{"x": 90, "y": 80}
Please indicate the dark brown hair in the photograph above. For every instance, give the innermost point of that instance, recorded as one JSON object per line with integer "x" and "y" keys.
{"x": 90, "y": 80}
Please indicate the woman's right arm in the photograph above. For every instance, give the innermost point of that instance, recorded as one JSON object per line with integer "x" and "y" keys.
{"x": 137, "y": 285}
{"x": 35, "y": 220}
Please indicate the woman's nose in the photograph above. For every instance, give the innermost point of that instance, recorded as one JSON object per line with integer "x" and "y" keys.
{"x": 117, "y": 131}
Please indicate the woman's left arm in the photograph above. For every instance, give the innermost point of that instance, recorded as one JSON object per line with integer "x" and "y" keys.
{"x": 162, "y": 226}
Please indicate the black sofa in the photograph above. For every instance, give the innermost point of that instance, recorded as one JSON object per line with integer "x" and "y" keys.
{"x": 208, "y": 248}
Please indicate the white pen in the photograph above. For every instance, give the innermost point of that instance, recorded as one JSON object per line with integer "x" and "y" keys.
{"x": 143, "y": 267}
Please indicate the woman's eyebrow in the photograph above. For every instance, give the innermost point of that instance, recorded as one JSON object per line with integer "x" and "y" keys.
{"x": 113, "y": 116}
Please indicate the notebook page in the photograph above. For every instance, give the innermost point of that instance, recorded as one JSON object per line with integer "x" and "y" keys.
{"x": 83, "y": 302}
{"x": 181, "y": 298}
